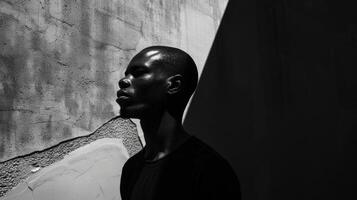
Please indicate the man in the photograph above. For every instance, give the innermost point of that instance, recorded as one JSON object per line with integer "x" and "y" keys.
{"x": 173, "y": 165}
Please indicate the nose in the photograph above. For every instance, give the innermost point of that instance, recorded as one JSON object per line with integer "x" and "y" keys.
{"x": 124, "y": 83}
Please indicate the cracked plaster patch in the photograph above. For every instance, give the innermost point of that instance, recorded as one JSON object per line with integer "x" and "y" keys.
{"x": 90, "y": 172}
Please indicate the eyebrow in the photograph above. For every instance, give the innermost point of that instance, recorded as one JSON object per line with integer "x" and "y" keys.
{"x": 135, "y": 68}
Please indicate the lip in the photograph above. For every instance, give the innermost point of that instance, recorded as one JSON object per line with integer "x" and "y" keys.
{"x": 122, "y": 100}
{"x": 122, "y": 93}
{"x": 122, "y": 97}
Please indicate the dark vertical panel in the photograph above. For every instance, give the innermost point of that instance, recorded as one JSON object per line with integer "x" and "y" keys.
{"x": 227, "y": 110}
{"x": 278, "y": 98}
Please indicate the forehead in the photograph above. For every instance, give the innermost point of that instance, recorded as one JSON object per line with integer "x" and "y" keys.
{"x": 145, "y": 59}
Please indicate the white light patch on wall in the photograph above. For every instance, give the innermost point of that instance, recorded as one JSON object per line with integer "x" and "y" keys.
{"x": 201, "y": 43}
{"x": 90, "y": 172}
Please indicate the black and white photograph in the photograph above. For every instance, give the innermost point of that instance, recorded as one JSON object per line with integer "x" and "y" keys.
{"x": 178, "y": 100}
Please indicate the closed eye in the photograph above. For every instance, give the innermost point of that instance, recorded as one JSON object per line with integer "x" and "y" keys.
{"x": 136, "y": 71}
{"x": 139, "y": 72}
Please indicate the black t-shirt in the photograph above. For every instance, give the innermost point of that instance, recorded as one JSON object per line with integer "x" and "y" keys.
{"x": 193, "y": 171}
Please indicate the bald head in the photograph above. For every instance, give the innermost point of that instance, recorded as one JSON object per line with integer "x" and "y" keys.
{"x": 173, "y": 61}
{"x": 157, "y": 79}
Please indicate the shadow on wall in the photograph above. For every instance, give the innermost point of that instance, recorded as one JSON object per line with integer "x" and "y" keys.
{"x": 277, "y": 98}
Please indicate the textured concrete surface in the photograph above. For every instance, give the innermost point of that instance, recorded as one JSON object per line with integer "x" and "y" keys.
{"x": 60, "y": 60}
{"x": 90, "y": 172}
{"x": 15, "y": 171}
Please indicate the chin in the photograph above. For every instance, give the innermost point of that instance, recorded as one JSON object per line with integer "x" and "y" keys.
{"x": 137, "y": 111}
{"x": 127, "y": 113}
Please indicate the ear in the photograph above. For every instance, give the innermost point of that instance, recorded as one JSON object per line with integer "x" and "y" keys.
{"x": 174, "y": 84}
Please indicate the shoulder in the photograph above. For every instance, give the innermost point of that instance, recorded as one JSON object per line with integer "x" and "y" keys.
{"x": 132, "y": 165}
{"x": 205, "y": 161}
{"x": 207, "y": 155}
{"x": 128, "y": 174}
{"x": 134, "y": 160}
{"x": 215, "y": 177}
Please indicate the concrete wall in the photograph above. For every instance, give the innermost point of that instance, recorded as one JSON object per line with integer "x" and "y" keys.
{"x": 60, "y": 62}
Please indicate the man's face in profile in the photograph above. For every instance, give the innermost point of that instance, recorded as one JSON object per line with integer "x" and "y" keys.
{"x": 143, "y": 88}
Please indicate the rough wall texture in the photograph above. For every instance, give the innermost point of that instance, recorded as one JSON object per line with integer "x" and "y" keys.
{"x": 16, "y": 170}
{"x": 60, "y": 60}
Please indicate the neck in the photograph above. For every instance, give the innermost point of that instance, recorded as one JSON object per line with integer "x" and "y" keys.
{"x": 163, "y": 134}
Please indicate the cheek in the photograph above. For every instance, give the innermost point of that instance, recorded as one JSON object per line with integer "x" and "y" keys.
{"x": 154, "y": 92}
